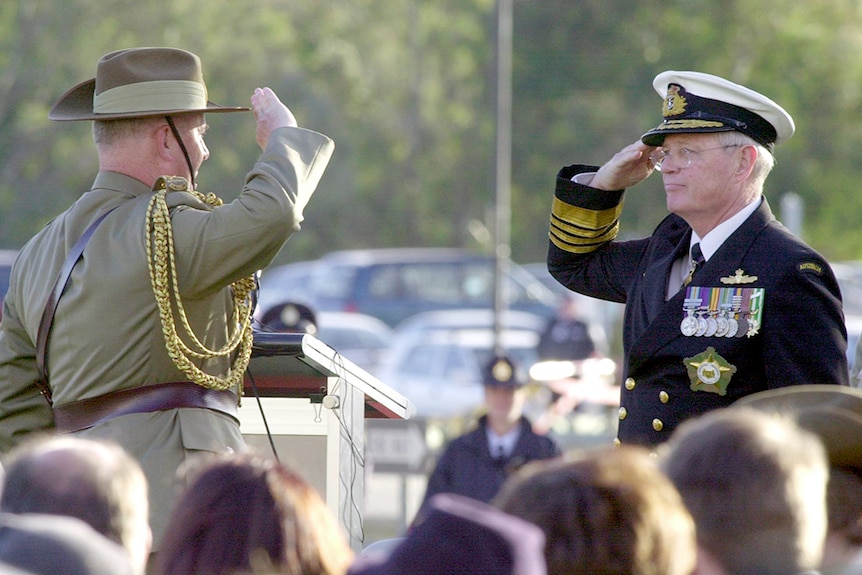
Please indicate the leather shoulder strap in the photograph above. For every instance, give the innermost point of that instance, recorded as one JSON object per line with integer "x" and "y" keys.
{"x": 51, "y": 305}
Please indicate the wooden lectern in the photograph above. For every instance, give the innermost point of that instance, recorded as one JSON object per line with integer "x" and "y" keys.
{"x": 306, "y": 403}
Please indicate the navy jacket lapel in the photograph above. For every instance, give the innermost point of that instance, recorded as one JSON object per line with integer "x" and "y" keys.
{"x": 665, "y": 316}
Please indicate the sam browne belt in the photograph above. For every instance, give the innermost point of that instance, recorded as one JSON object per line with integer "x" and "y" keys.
{"x": 88, "y": 412}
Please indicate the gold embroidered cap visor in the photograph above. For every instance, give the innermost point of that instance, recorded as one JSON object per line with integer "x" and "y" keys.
{"x": 695, "y": 102}
{"x": 138, "y": 83}
{"x": 832, "y": 412}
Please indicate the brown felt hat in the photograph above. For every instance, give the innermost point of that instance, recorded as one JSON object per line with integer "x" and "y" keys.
{"x": 833, "y": 412}
{"x": 138, "y": 83}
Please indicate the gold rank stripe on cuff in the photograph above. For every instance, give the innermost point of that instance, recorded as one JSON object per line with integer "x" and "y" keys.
{"x": 584, "y": 218}
{"x": 577, "y": 245}
{"x": 581, "y": 230}
{"x": 569, "y": 229}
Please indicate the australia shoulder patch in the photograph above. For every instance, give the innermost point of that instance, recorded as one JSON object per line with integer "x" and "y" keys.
{"x": 811, "y": 267}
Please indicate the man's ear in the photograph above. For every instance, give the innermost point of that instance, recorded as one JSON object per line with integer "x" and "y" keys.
{"x": 746, "y": 162}
{"x": 163, "y": 140}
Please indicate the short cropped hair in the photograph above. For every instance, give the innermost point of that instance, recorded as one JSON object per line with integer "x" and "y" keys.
{"x": 604, "y": 511}
{"x": 755, "y": 483}
{"x": 96, "y": 481}
{"x": 110, "y": 132}
{"x": 765, "y": 159}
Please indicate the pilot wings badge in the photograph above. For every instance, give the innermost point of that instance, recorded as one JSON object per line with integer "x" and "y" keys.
{"x": 738, "y": 278}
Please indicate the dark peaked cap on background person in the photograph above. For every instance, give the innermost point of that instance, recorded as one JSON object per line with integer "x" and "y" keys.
{"x": 832, "y": 412}
{"x": 503, "y": 372}
{"x": 695, "y": 102}
{"x": 139, "y": 83}
{"x": 457, "y": 534}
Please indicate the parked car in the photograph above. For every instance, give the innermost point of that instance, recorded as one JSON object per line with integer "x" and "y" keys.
{"x": 849, "y": 276}
{"x": 355, "y": 336}
{"x": 435, "y": 358}
{"x": 393, "y": 284}
{"x": 471, "y": 318}
{"x": 280, "y": 284}
{"x": 358, "y": 337}
{"x": 7, "y": 258}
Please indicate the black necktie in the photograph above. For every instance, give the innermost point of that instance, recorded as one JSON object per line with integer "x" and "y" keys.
{"x": 697, "y": 260}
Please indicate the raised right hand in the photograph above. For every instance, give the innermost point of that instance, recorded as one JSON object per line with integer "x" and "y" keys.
{"x": 270, "y": 114}
{"x": 628, "y": 167}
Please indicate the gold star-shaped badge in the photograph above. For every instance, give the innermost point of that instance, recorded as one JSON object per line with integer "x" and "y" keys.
{"x": 709, "y": 372}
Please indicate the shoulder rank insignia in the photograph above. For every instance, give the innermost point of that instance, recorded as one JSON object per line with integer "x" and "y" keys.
{"x": 709, "y": 372}
{"x": 738, "y": 278}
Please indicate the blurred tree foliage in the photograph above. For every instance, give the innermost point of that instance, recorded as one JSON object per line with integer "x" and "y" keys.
{"x": 407, "y": 90}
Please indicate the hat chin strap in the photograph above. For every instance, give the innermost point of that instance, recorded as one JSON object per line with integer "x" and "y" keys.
{"x": 183, "y": 148}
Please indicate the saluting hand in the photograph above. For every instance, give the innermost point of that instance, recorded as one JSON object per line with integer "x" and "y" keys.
{"x": 628, "y": 167}
{"x": 270, "y": 114}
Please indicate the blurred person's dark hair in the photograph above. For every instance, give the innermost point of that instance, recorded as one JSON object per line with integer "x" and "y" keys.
{"x": 755, "y": 483}
{"x": 41, "y": 544}
{"x": 95, "y": 481}
{"x": 248, "y": 513}
{"x": 607, "y": 511}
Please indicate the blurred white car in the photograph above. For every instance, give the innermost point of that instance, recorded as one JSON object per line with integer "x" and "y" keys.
{"x": 436, "y": 357}
{"x": 7, "y": 257}
{"x": 393, "y": 284}
{"x": 360, "y": 338}
{"x": 285, "y": 283}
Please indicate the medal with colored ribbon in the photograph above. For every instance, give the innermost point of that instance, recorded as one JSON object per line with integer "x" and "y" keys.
{"x": 722, "y": 311}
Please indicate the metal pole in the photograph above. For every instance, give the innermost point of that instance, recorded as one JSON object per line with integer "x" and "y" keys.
{"x": 503, "y": 163}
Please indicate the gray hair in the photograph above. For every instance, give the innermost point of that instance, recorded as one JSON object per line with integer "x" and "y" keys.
{"x": 765, "y": 159}
{"x": 109, "y": 132}
{"x": 755, "y": 484}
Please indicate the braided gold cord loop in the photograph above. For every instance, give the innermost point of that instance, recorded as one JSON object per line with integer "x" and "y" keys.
{"x": 161, "y": 259}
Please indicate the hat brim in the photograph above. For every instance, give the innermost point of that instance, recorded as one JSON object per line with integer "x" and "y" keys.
{"x": 832, "y": 412}
{"x": 656, "y": 136}
{"x": 77, "y": 104}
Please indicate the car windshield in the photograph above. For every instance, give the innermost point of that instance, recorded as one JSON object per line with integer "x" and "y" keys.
{"x": 442, "y": 283}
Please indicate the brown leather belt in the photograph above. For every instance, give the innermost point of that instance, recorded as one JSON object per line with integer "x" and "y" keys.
{"x": 86, "y": 413}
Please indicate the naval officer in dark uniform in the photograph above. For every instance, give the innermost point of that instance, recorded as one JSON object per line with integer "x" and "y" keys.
{"x": 721, "y": 301}
{"x": 477, "y": 463}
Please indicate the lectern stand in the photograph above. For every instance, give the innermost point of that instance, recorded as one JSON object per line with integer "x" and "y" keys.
{"x": 308, "y": 403}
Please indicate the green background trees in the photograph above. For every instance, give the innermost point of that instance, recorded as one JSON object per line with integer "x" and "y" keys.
{"x": 406, "y": 88}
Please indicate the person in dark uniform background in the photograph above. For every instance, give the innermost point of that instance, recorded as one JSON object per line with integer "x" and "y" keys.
{"x": 477, "y": 463}
{"x": 567, "y": 336}
{"x": 721, "y": 301}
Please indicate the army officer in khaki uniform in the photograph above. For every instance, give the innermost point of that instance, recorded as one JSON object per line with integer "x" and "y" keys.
{"x": 721, "y": 300}
{"x": 150, "y": 336}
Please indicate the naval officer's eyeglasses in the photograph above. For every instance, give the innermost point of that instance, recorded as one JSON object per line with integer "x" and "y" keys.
{"x": 682, "y": 156}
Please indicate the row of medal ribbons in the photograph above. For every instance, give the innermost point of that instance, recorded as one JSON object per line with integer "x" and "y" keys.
{"x": 722, "y": 311}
